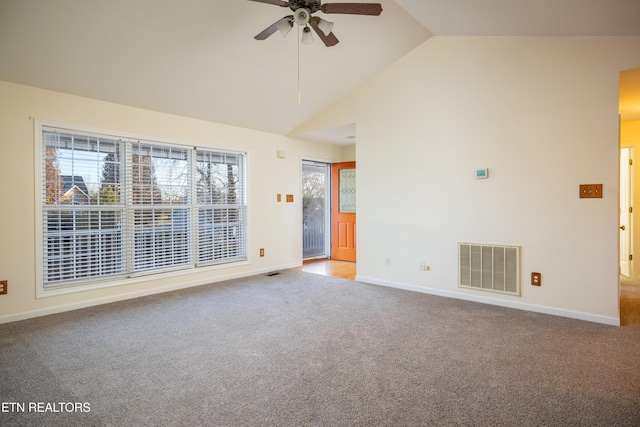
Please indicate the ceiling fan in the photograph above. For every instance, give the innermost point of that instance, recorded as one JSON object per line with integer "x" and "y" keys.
{"x": 302, "y": 15}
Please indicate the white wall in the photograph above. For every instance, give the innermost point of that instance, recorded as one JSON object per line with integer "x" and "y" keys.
{"x": 542, "y": 115}
{"x": 273, "y": 226}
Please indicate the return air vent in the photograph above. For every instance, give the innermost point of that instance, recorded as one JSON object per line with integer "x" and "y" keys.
{"x": 490, "y": 268}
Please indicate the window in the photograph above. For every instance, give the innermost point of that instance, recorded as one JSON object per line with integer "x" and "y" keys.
{"x": 115, "y": 207}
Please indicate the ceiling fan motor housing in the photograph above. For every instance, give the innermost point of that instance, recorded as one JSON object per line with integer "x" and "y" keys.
{"x": 311, "y": 5}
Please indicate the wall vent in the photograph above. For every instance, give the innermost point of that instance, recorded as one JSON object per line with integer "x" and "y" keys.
{"x": 493, "y": 268}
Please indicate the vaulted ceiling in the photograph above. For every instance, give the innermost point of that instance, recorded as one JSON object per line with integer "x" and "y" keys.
{"x": 198, "y": 58}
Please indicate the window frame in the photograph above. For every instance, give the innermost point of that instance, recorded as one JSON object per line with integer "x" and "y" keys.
{"x": 130, "y": 275}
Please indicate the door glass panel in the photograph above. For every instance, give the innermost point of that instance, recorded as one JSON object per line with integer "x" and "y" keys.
{"x": 347, "y": 190}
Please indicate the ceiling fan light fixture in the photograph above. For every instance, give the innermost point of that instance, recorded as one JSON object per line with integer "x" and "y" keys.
{"x": 302, "y": 16}
{"x": 307, "y": 38}
{"x": 284, "y": 27}
{"x": 325, "y": 26}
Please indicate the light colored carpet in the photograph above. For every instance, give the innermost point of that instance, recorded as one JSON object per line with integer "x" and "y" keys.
{"x": 300, "y": 349}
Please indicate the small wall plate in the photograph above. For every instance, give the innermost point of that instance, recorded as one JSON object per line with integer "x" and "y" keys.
{"x": 482, "y": 173}
{"x": 590, "y": 191}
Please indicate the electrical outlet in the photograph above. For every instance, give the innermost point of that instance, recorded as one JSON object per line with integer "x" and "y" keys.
{"x": 4, "y": 284}
{"x": 388, "y": 262}
{"x": 261, "y": 251}
{"x": 424, "y": 266}
{"x": 536, "y": 279}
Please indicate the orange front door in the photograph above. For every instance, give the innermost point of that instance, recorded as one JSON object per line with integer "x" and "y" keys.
{"x": 343, "y": 211}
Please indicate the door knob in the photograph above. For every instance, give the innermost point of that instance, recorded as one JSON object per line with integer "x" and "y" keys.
{"x": 622, "y": 227}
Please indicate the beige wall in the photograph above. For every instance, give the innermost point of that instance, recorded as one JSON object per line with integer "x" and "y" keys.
{"x": 273, "y": 226}
{"x": 349, "y": 153}
{"x": 542, "y": 115}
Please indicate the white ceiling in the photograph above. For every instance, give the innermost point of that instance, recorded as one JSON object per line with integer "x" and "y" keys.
{"x": 527, "y": 17}
{"x": 198, "y": 58}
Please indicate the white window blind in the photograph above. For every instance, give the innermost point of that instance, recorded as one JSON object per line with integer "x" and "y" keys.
{"x": 83, "y": 215}
{"x": 161, "y": 200}
{"x": 221, "y": 211}
{"x": 114, "y": 207}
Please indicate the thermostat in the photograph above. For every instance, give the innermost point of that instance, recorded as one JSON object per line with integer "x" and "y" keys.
{"x": 482, "y": 173}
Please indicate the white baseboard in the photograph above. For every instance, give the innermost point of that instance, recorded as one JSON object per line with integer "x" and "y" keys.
{"x": 495, "y": 301}
{"x": 439, "y": 292}
{"x": 134, "y": 294}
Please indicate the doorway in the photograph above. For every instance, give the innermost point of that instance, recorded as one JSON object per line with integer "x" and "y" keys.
{"x": 629, "y": 282}
{"x": 315, "y": 209}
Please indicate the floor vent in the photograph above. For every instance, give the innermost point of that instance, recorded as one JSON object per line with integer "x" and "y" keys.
{"x": 492, "y": 268}
{"x": 272, "y": 273}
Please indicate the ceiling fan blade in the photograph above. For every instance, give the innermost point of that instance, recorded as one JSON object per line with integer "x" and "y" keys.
{"x": 330, "y": 40}
{"x": 353, "y": 8}
{"x": 272, "y": 28}
{"x": 276, "y": 2}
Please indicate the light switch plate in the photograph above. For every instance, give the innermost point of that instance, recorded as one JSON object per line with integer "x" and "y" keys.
{"x": 591, "y": 191}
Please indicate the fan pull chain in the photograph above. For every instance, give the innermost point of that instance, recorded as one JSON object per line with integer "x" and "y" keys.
{"x": 298, "y": 64}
